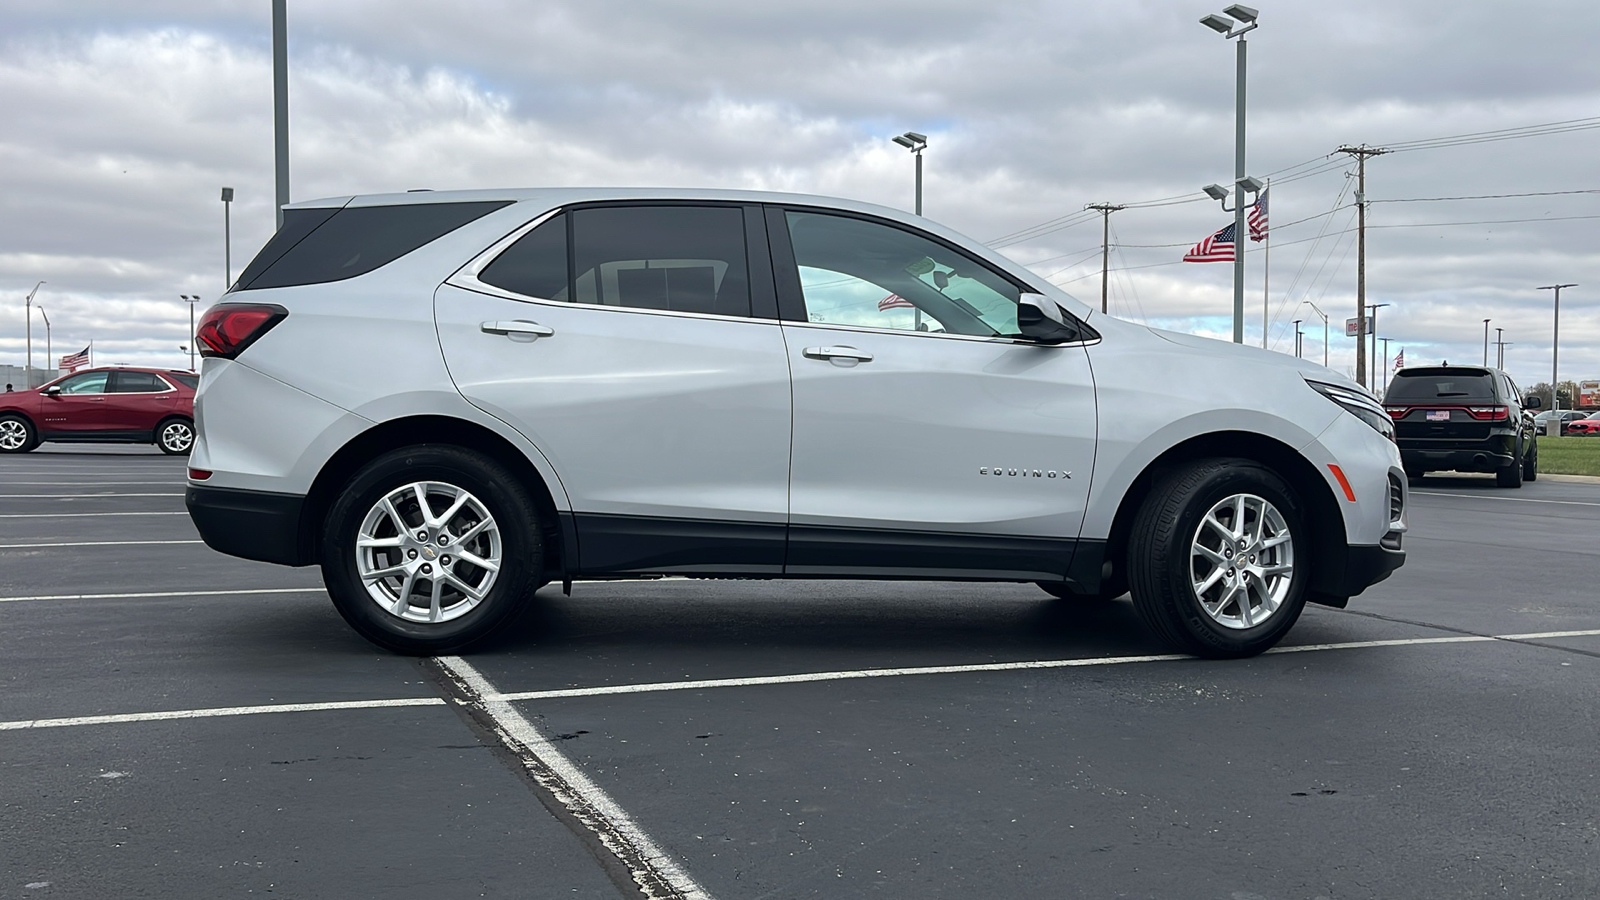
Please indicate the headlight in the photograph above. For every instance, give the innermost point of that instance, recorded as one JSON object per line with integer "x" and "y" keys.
{"x": 1358, "y": 404}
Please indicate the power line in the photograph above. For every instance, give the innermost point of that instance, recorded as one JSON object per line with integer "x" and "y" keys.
{"x": 1488, "y": 196}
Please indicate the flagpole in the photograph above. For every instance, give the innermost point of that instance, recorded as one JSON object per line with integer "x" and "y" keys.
{"x": 1266, "y": 263}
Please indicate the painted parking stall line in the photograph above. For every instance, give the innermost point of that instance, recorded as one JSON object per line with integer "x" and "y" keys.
{"x": 102, "y": 495}
{"x": 1508, "y": 499}
{"x": 96, "y": 544}
{"x": 657, "y": 874}
{"x": 171, "y": 715}
{"x": 148, "y": 595}
{"x": 82, "y": 515}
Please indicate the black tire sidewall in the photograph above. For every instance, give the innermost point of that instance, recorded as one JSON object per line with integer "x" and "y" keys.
{"x": 508, "y": 502}
{"x": 1175, "y": 601}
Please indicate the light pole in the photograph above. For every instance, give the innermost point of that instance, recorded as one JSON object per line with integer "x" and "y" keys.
{"x": 227, "y": 239}
{"x": 1499, "y": 348}
{"x": 916, "y": 143}
{"x": 48, "y": 350}
{"x": 1555, "y": 345}
{"x": 1324, "y": 316}
{"x": 280, "y": 106}
{"x": 1486, "y": 343}
{"x": 27, "y": 308}
{"x": 191, "y": 300}
{"x": 1225, "y": 25}
{"x": 1372, "y": 380}
{"x": 1297, "y": 335}
{"x": 1385, "y": 365}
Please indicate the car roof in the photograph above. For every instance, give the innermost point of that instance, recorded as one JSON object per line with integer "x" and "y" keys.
{"x": 553, "y": 197}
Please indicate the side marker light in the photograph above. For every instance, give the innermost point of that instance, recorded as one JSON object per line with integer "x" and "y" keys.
{"x": 1344, "y": 482}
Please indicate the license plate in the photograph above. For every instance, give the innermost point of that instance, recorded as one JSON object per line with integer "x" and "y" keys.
{"x": 1438, "y": 415}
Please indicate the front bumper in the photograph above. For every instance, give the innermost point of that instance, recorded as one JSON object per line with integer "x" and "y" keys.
{"x": 257, "y": 525}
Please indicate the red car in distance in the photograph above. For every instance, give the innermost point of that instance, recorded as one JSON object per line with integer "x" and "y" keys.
{"x": 103, "y": 405}
{"x": 1587, "y": 425}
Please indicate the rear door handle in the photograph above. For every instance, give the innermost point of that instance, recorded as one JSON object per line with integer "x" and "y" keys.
{"x": 837, "y": 353}
{"x": 517, "y": 326}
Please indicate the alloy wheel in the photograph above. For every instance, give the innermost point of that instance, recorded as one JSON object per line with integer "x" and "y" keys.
{"x": 428, "y": 552}
{"x": 177, "y": 437}
{"x": 1241, "y": 561}
{"x": 13, "y": 435}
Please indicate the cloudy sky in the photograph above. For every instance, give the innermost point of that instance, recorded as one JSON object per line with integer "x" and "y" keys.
{"x": 123, "y": 121}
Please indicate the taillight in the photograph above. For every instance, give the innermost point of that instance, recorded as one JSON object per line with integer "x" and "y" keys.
{"x": 199, "y": 474}
{"x": 1397, "y": 412}
{"x": 1489, "y": 413}
{"x": 227, "y": 328}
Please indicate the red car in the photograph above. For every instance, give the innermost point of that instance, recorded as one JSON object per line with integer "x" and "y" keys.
{"x": 1588, "y": 425}
{"x": 103, "y": 405}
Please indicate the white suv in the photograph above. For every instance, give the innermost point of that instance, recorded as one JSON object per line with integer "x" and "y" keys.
{"x": 449, "y": 400}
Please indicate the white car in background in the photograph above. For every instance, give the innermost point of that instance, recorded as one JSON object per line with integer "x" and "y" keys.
{"x": 448, "y": 400}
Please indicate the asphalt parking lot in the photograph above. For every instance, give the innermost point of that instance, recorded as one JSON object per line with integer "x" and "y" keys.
{"x": 174, "y": 722}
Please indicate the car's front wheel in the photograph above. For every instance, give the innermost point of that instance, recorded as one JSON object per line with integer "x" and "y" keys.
{"x": 17, "y": 434}
{"x": 175, "y": 437}
{"x": 1218, "y": 558}
{"x": 430, "y": 548}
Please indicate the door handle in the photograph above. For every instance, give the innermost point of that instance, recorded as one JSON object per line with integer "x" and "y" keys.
{"x": 518, "y": 326}
{"x": 836, "y": 353}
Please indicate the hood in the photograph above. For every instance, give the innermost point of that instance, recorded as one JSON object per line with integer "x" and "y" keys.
{"x": 1212, "y": 346}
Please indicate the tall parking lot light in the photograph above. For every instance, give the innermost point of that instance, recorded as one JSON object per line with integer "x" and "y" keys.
{"x": 27, "y": 308}
{"x": 1226, "y": 25}
{"x": 191, "y": 300}
{"x": 227, "y": 239}
{"x": 1555, "y": 345}
{"x": 916, "y": 143}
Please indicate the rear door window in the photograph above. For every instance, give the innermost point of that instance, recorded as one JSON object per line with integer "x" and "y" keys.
{"x": 136, "y": 383}
{"x": 332, "y": 245}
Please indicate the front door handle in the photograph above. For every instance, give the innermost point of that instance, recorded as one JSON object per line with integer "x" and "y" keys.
{"x": 837, "y": 353}
{"x": 518, "y": 326}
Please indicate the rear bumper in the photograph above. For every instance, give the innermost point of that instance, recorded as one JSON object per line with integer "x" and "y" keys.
{"x": 250, "y": 524}
{"x": 1475, "y": 456}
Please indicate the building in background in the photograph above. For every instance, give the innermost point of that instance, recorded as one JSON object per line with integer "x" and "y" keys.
{"x": 16, "y": 376}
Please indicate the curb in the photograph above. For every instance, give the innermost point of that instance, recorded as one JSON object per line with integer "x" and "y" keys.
{"x": 1575, "y": 479}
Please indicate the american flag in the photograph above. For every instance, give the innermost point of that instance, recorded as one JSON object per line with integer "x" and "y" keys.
{"x": 1400, "y": 359}
{"x": 1258, "y": 218}
{"x": 1216, "y": 248}
{"x": 72, "y": 361}
{"x": 895, "y": 301}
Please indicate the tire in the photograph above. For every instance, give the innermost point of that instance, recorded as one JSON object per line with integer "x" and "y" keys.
{"x": 1511, "y": 476}
{"x": 1061, "y": 592}
{"x": 486, "y": 503}
{"x": 1530, "y": 466}
{"x": 17, "y": 434}
{"x": 175, "y": 436}
{"x": 1193, "y": 507}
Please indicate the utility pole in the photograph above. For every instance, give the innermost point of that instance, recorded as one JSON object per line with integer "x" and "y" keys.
{"x": 280, "y": 103}
{"x": 1555, "y": 345}
{"x": 1361, "y": 153}
{"x": 1105, "y": 210}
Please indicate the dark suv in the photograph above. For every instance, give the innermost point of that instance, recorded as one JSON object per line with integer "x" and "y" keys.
{"x": 1465, "y": 418}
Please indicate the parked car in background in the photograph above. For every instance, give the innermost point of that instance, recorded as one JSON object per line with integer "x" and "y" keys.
{"x": 550, "y": 385}
{"x": 1589, "y": 425}
{"x": 103, "y": 405}
{"x": 1565, "y": 416}
{"x": 1465, "y": 419}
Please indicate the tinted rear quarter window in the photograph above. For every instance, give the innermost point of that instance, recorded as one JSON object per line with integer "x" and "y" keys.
{"x": 1465, "y": 386}
{"x": 536, "y": 265}
{"x": 136, "y": 383}
{"x": 192, "y": 382}
{"x": 353, "y": 241}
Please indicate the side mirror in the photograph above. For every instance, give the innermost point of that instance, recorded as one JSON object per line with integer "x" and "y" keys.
{"x": 1039, "y": 317}
{"x": 53, "y": 390}
{"x": 1532, "y": 402}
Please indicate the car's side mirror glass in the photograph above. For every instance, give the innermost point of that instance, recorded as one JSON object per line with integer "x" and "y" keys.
{"x": 1533, "y": 402}
{"x": 1039, "y": 318}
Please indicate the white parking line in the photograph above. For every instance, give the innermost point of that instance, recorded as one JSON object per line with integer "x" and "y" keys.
{"x": 82, "y": 515}
{"x": 155, "y": 594}
{"x": 1498, "y": 497}
{"x": 217, "y": 712}
{"x": 99, "y": 496}
{"x": 655, "y": 872}
{"x": 98, "y": 483}
{"x": 92, "y": 544}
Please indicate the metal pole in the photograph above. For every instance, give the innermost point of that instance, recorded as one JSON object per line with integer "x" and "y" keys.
{"x": 1373, "y": 384}
{"x": 191, "y": 334}
{"x": 227, "y": 238}
{"x": 27, "y": 308}
{"x": 1499, "y": 348}
{"x": 1555, "y": 345}
{"x": 1385, "y": 365}
{"x": 1266, "y": 269}
{"x": 48, "y": 350}
{"x": 1238, "y": 211}
{"x": 1486, "y": 343}
{"x": 1296, "y": 338}
{"x": 919, "y": 182}
{"x": 280, "y": 103}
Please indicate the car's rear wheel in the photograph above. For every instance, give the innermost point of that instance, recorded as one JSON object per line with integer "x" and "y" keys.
{"x": 1511, "y": 476}
{"x": 1218, "y": 558}
{"x": 175, "y": 436}
{"x": 17, "y": 434}
{"x": 1530, "y": 465}
{"x": 430, "y": 548}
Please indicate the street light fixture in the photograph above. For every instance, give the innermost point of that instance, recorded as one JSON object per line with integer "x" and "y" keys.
{"x": 916, "y": 143}
{"x": 191, "y": 300}
{"x": 1225, "y": 25}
